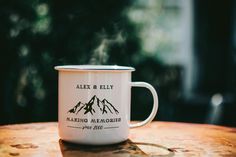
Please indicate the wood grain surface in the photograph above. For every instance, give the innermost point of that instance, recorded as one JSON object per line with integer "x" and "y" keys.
{"x": 156, "y": 139}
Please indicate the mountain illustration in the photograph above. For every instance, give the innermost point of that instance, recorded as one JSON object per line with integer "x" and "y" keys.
{"x": 94, "y": 105}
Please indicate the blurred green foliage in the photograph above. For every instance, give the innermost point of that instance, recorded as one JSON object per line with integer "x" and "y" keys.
{"x": 36, "y": 35}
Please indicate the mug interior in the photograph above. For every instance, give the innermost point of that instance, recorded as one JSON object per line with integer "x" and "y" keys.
{"x": 93, "y": 68}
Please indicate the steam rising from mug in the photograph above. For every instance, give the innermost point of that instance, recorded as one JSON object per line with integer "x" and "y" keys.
{"x": 100, "y": 54}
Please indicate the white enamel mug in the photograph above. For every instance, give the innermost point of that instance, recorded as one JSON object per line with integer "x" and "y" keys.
{"x": 94, "y": 103}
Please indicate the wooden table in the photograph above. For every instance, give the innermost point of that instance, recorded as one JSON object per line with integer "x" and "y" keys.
{"x": 156, "y": 139}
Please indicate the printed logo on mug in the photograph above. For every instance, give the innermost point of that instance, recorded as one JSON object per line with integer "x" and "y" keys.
{"x": 94, "y": 103}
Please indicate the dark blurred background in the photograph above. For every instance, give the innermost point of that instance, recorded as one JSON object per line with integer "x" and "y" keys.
{"x": 185, "y": 48}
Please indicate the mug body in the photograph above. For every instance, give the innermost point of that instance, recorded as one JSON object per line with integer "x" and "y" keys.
{"x": 94, "y": 104}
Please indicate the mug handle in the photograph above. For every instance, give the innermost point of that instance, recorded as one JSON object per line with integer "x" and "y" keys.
{"x": 155, "y": 103}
